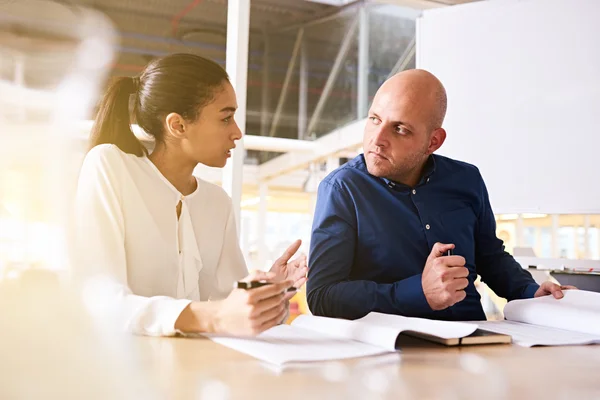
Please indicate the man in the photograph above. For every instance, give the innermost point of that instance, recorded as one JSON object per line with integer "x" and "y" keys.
{"x": 386, "y": 221}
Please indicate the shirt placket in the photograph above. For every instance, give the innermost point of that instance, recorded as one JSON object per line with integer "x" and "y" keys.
{"x": 429, "y": 226}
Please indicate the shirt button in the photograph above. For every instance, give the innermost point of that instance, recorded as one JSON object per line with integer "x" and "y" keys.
{"x": 427, "y": 227}
{"x": 414, "y": 191}
{"x": 427, "y": 180}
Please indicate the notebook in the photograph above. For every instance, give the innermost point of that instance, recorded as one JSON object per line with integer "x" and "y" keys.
{"x": 312, "y": 339}
{"x": 546, "y": 321}
{"x": 480, "y": 336}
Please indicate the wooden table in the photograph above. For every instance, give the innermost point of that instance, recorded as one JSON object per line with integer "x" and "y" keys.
{"x": 51, "y": 349}
{"x": 183, "y": 368}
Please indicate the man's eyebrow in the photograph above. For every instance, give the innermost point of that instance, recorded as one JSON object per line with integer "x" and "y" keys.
{"x": 409, "y": 126}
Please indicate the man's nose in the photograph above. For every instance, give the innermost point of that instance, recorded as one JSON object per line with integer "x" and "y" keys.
{"x": 380, "y": 138}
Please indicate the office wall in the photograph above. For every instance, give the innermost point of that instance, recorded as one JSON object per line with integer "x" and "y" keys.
{"x": 523, "y": 82}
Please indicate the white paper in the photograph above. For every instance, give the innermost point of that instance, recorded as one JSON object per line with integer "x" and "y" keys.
{"x": 532, "y": 335}
{"x": 442, "y": 329}
{"x": 291, "y": 344}
{"x": 375, "y": 335}
{"x": 578, "y": 311}
{"x": 382, "y": 330}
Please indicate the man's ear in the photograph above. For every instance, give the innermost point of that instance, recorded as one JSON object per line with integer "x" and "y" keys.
{"x": 175, "y": 125}
{"x": 437, "y": 139}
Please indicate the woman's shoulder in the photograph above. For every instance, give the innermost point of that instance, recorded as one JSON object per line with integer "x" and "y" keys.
{"x": 103, "y": 153}
{"x": 109, "y": 156}
{"x": 215, "y": 193}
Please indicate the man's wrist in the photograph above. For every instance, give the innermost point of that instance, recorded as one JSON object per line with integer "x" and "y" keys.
{"x": 530, "y": 290}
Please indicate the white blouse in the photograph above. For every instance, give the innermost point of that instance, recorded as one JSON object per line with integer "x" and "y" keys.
{"x": 138, "y": 259}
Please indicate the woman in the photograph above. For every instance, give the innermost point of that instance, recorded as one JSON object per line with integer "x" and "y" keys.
{"x": 162, "y": 242}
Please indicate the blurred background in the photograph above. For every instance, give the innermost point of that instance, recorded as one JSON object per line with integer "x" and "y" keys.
{"x": 313, "y": 67}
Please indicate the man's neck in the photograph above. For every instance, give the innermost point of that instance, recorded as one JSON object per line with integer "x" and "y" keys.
{"x": 174, "y": 168}
{"x": 412, "y": 177}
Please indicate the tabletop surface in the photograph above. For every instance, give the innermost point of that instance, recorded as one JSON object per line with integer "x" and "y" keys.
{"x": 184, "y": 368}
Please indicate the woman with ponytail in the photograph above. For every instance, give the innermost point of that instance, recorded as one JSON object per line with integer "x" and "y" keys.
{"x": 156, "y": 245}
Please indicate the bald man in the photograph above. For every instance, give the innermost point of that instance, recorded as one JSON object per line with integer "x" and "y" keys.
{"x": 386, "y": 221}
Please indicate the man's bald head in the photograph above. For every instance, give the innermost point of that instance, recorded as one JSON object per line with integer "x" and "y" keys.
{"x": 405, "y": 126}
{"x": 422, "y": 88}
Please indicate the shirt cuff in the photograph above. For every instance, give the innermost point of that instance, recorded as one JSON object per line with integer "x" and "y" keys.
{"x": 410, "y": 297}
{"x": 159, "y": 318}
{"x": 530, "y": 290}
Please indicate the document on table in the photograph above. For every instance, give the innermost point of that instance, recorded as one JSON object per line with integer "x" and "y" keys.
{"x": 286, "y": 344}
{"x": 527, "y": 335}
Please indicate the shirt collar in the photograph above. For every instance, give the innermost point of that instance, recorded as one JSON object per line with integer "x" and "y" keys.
{"x": 428, "y": 170}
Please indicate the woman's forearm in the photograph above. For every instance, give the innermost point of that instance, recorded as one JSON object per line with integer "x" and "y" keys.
{"x": 198, "y": 317}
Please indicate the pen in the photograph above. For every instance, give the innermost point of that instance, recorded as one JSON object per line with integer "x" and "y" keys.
{"x": 257, "y": 284}
{"x": 449, "y": 252}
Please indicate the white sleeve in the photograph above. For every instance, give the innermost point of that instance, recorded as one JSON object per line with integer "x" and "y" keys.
{"x": 99, "y": 254}
{"x": 231, "y": 266}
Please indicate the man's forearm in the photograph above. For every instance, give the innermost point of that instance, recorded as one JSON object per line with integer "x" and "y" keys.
{"x": 505, "y": 276}
{"x": 355, "y": 299}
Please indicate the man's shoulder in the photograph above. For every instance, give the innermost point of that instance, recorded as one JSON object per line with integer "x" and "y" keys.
{"x": 452, "y": 166}
{"x": 353, "y": 170}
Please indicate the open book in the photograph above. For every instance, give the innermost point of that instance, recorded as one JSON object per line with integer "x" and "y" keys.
{"x": 545, "y": 321}
{"x": 311, "y": 338}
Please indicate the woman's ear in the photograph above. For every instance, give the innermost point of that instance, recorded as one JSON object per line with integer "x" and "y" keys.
{"x": 175, "y": 125}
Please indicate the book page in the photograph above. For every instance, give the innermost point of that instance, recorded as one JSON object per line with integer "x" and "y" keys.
{"x": 578, "y": 311}
{"x": 373, "y": 334}
{"x": 442, "y": 329}
{"x": 284, "y": 344}
{"x": 383, "y": 329}
{"x": 533, "y": 335}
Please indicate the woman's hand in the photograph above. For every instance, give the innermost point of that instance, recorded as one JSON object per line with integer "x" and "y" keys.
{"x": 250, "y": 312}
{"x": 294, "y": 270}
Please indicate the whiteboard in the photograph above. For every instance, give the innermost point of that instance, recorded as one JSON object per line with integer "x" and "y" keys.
{"x": 523, "y": 83}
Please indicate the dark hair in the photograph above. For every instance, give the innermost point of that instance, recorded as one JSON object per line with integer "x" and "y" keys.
{"x": 180, "y": 83}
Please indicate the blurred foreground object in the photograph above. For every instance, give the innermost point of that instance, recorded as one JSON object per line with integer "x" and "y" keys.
{"x": 53, "y": 61}
{"x": 51, "y": 349}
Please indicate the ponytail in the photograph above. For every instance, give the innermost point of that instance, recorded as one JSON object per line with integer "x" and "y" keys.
{"x": 112, "y": 123}
{"x": 177, "y": 83}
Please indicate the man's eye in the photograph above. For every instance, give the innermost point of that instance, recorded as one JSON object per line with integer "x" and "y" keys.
{"x": 402, "y": 130}
{"x": 375, "y": 120}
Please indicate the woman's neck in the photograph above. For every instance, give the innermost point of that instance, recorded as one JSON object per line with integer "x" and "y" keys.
{"x": 175, "y": 168}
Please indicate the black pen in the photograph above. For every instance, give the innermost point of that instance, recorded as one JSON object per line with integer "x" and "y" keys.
{"x": 257, "y": 284}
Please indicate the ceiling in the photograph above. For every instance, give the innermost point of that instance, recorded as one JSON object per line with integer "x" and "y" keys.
{"x": 152, "y": 28}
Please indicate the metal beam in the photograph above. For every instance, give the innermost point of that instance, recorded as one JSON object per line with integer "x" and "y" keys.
{"x": 319, "y": 20}
{"x": 238, "y": 31}
{"x": 362, "y": 97}
{"x": 416, "y": 4}
{"x": 303, "y": 93}
{"x": 277, "y": 144}
{"x": 405, "y": 58}
{"x": 348, "y": 137}
{"x": 286, "y": 82}
{"x": 265, "y": 95}
{"x": 333, "y": 75}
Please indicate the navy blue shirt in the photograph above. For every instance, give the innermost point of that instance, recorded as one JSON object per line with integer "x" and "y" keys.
{"x": 371, "y": 238}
